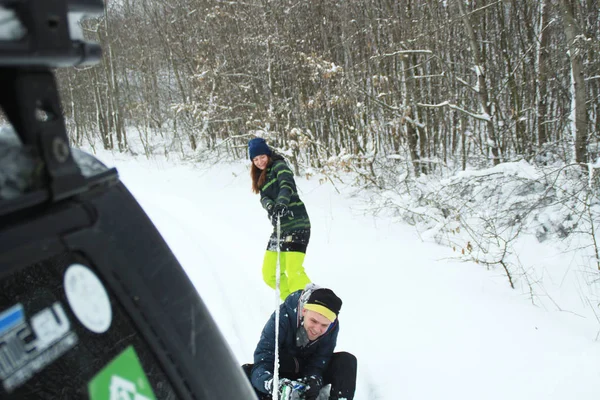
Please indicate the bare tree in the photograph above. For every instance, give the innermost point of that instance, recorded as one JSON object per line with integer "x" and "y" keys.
{"x": 578, "y": 92}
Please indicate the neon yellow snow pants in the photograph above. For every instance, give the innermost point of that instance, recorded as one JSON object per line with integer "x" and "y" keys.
{"x": 292, "y": 274}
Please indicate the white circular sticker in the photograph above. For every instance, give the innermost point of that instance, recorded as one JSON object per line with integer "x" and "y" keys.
{"x": 88, "y": 298}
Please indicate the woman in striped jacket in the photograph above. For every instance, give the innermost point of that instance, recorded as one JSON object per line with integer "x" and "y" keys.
{"x": 274, "y": 180}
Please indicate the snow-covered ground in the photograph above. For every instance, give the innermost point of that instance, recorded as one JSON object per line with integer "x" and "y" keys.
{"x": 421, "y": 325}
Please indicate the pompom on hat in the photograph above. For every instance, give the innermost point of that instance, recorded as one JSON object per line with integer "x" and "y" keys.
{"x": 258, "y": 147}
{"x": 325, "y": 302}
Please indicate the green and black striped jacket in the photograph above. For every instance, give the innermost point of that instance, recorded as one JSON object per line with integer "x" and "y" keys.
{"x": 280, "y": 187}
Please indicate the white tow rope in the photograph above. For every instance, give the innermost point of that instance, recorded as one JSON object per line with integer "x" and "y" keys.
{"x": 277, "y": 282}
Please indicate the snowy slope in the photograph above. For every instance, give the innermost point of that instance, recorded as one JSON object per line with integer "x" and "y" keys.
{"x": 421, "y": 325}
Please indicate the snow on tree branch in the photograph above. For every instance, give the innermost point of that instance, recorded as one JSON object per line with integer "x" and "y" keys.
{"x": 482, "y": 117}
{"x": 467, "y": 84}
{"x": 403, "y": 52}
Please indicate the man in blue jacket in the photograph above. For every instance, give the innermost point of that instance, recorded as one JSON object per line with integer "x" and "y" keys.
{"x": 308, "y": 330}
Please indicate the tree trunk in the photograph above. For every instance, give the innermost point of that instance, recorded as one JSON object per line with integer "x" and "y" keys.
{"x": 482, "y": 92}
{"x": 578, "y": 112}
{"x": 542, "y": 74}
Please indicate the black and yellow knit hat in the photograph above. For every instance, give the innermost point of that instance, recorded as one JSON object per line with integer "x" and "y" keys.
{"x": 325, "y": 302}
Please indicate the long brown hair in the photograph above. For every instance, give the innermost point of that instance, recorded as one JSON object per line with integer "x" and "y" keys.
{"x": 258, "y": 176}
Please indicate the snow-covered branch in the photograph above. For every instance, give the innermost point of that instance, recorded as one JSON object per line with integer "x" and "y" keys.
{"x": 467, "y": 84}
{"x": 482, "y": 117}
{"x": 429, "y": 76}
{"x": 400, "y": 52}
{"x": 415, "y": 123}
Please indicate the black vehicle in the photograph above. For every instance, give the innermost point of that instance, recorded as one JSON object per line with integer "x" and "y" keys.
{"x": 93, "y": 304}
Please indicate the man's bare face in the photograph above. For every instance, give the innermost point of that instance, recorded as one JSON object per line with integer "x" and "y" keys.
{"x": 315, "y": 324}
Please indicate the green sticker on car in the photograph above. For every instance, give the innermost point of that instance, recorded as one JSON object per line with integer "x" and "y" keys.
{"x": 123, "y": 378}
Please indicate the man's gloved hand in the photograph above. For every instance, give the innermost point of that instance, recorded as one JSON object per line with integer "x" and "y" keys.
{"x": 288, "y": 389}
{"x": 313, "y": 383}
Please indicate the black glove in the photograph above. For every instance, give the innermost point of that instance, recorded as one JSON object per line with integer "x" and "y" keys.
{"x": 313, "y": 384}
{"x": 270, "y": 207}
{"x": 280, "y": 210}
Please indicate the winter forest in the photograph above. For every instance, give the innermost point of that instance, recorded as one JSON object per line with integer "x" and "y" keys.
{"x": 426, "y": 84}
{"x": 477, "y": 122}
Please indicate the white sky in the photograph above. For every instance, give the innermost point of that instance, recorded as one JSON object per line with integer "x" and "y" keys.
{"x": 421, "y": 325}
